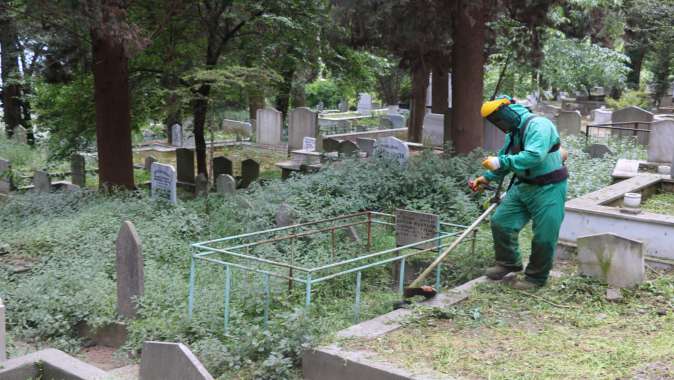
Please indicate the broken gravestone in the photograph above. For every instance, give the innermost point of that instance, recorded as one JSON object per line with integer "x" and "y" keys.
{"x": 170, "y": 361}
{"x": 613, "y": 259}
{"x": 130, "y": 275}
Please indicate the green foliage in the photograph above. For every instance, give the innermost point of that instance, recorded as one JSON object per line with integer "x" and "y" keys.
{"x": 323, "y": 90}
{"x": 572, "y": 64}
{"x": 628, "y": 98}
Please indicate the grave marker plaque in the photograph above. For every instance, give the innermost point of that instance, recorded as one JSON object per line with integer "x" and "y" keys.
{"x": 309, "y": 143}
{"x": 413, "y": 226}
{"x": 163, "y": 182}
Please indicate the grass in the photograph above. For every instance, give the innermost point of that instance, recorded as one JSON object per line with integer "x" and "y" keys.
{"x": 662, "y": 203}
{"x": 566, "y": 330}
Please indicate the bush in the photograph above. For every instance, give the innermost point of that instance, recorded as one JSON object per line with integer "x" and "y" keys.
{"x": 323, "y": 90}
{"x": 637, "y": 98}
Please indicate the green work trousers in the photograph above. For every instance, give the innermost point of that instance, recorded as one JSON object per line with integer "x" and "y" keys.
{"x": 523, "y": 202}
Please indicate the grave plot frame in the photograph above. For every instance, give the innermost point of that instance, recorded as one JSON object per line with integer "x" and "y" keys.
{"x": 228, "y": 253}
{"x": 619, "y": 126}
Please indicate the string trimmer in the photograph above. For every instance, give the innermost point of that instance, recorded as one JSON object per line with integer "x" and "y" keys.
{"x": 414, "y": 289}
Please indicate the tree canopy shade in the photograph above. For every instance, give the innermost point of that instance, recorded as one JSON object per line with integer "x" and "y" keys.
{"x": 572, "y": 64}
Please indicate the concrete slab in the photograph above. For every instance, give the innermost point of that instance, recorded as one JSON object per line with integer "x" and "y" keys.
{"x": 55, "y": 365}
{"x": 611, "y": 258}
{"x": 170, "y": 361}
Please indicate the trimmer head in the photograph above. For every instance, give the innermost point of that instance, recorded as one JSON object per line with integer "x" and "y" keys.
{"x": 425, "y": 291}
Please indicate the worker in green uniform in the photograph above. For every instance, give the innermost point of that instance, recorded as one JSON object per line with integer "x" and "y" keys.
{"x": 531, "y": 151}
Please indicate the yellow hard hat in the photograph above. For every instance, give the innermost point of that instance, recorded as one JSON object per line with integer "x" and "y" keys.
{"x": 491, "y": 106}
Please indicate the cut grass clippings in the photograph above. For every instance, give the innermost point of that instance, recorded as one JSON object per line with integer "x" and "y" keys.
{"x": 569, "y": 330}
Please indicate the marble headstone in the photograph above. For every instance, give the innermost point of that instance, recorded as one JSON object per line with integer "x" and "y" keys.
{"x": 163, "y": 182}
{"x": 632, "y": 114}
{"x": 130, "y": 274}
{"x": 661, "y": 142}
{"x": 303, "y": 122}
{"x": 177, "y": 135}
{"x": 392, "y": 148}
{"x": 434, "y": 128}
{"x": 268, "y": 129}
{"x": 364, "y": 103}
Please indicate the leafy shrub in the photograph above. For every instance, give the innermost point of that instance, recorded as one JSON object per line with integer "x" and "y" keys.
{"x": 637, "y": 98}
{"x": 323, "y": 90}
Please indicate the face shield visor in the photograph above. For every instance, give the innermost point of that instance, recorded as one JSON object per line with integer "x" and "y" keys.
{"x": 505, "y": 118}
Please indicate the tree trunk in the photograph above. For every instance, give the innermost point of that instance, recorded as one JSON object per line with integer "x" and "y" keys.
{"x": 200, "y": 107}
{"x": 255, "y": 102}
{"x": 283, "y": 97}
{"x": 112, "y": 100}
{"x": 635, "y": 49}
{"x": 467, "y": 76}
{"x": 173, "y": 107}
{"x": 418, "y": 101}
{"x": 440, "y": 86}
{"x": 9, "y": 65}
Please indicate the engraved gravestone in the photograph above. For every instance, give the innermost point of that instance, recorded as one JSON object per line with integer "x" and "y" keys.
{"x": 41, "y": 181}
{"x": 130, "y": 276}
{"x": 185, "y": 165}
{"x": 413, "y": 226}
{"x": 309, "y": 144}
{"x": 225, "y": 184}
{"x": 77, "y": 170}
{"x": 222, "y": 165}
{"x": 163, "y": 182}
{"x": 392, "y": 148}
{"x": 250, "y": 171}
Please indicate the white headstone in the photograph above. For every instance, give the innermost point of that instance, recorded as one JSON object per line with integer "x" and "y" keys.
{"x": 661, "y": 141}
{"x": 601, "y": 115}
{"x": 177, "y": 134}
{"x": 434, "y": 128}
{"x": 303, "y": 122}
{"x": 613, "y": 259}
{"x": 364, "y": 103}
{"x": 568, "y": 122}
{"x": 309, "y": 143}
{"x": 392, "y": 148}
{"x": 268, "y": 130}
{"x": 163, "y": 182}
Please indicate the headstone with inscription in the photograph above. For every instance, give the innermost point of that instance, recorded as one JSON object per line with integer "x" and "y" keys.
{"x": 185, "y": 165}
{"x": 413, "y": 227}
{"x": 163, "y": 182}
{"x": 268, "y": 126}
{"x": 392, "y": 148}
{"x": 177, "y": 135}
{"x": 250, "y": 171}
{"x": 309, "y": 143}
{"x": 222, "y": 165}
{"x": 78, "y": 170}
{"x": 41, "y": 181}
{"x": 225, "y": 184}
{"x": 130, "y": 274}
